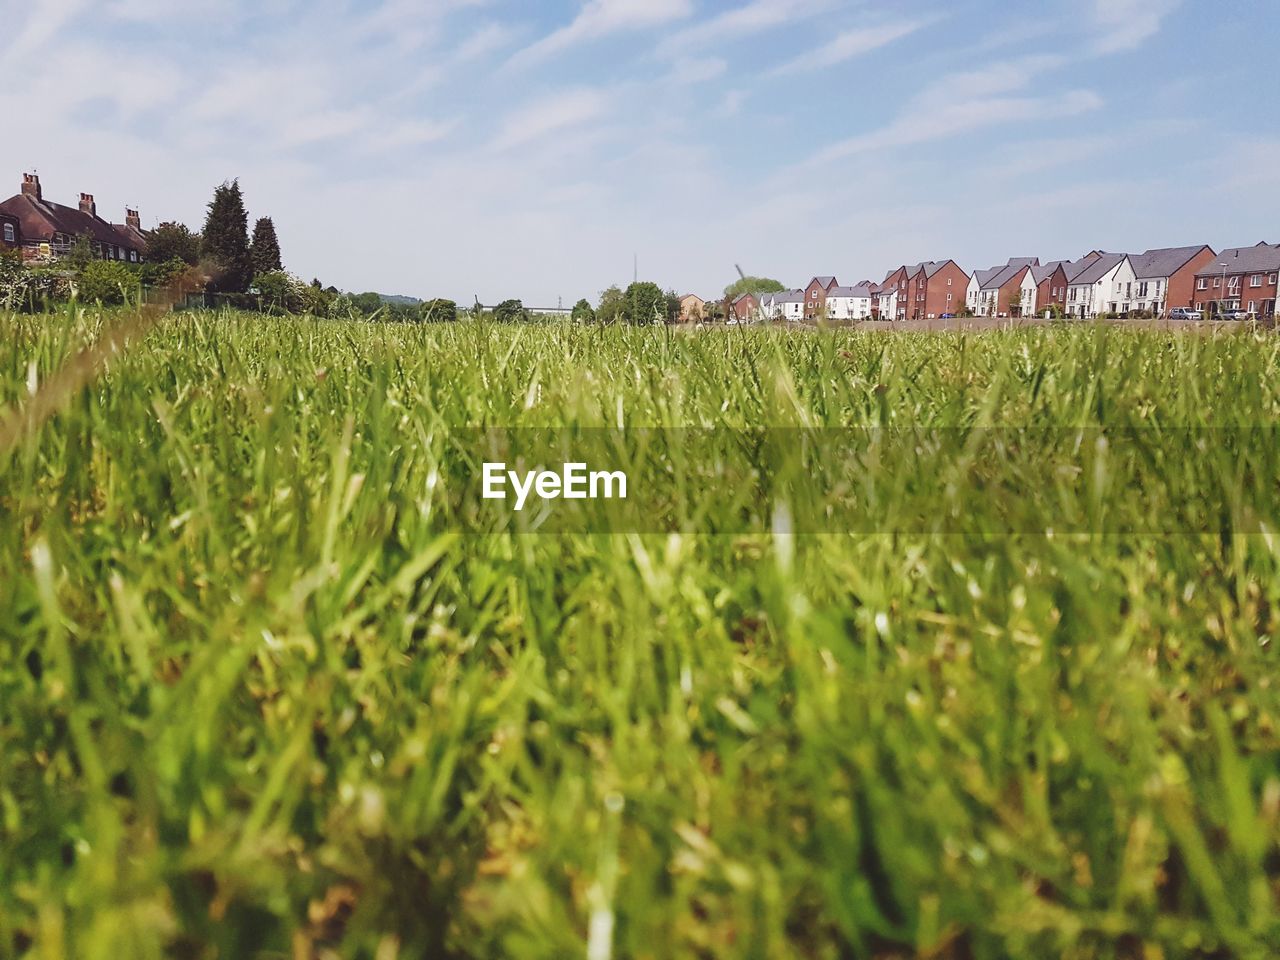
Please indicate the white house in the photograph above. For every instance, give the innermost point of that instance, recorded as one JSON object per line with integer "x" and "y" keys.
{"x": 1004, "y": 291}
{"x": 850, "y": 303}
{"x": 1105, "y": 284}
{"x": 787, "y": 305}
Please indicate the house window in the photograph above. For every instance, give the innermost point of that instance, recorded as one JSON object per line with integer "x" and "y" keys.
{"x": 9, "y": 235}
{"x": 948, "y": 284}
{"x": 948, "y": 298}
{"x": 1253, "y": 306}
{"x": 1217, "y": 282}
{"x": 1256, "y": 281}
{"x": 133, "y": 256}
{"x": 1273, "y": 280}
{"x": 1202, "y": 284}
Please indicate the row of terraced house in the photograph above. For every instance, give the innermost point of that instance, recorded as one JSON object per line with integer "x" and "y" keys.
{"x": 1239, "y": 280}
{"x": 45, "y": 231}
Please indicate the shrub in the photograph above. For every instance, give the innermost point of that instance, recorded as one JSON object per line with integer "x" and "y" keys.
{"x": 510, "y": 311}
{"x": 280, "y": 292}
{"x": 438, "y": 311}
{"x": 583, "y": 312}
{"x": 107, "y": 282}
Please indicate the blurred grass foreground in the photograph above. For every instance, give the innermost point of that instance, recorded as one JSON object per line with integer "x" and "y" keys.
{"x": 999, "y": 680}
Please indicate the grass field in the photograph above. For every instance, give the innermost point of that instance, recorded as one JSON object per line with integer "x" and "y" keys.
{"x": 263, "y": 695}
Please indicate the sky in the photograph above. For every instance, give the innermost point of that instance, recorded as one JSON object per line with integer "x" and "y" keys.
{"x": 498, "y": 149}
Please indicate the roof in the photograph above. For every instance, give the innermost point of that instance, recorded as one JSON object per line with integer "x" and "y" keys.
{"x": 1024, "y": 262}
{"x": 825, "y": 282}
{"x": 1264, "y": 258}
{"x": 1095, "y": 270}
{"x": 1042, "y": 272}
{"x": 862, "y": 290}
{"x": 1164, "y": 262}
{"x": 40, "y": 219}
{"x": 789, "y": 296}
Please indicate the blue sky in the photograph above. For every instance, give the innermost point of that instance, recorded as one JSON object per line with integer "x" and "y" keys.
{"x": 503, "y": 148}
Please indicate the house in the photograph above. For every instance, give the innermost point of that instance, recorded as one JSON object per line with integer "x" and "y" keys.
{"x": 787, "y": 305}
{"x": 1166, "y": 277}
{"x": 1007, "y": 291}
{"x": 931, "y": 289}
{"x": 692, "y": 308}
{"x": 892, "y": 295}
{"x": 815, "y": 296}
{"x": 850, "y": 303}
{"x": 1241, "y": 278}
{"x": 1051, "y": 285}
{"x": 10, "y": 232}
{"x": 1103, "y": 284}
{"x": 744, "y": 308}
{"x": 50, "y": 229}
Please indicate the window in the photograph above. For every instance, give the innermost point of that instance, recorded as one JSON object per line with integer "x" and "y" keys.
{"x": 1256, "y": 281}
{"x": 1273, "y": 280}
{"x": 9, "y": 235}
{"x": 133, "y": 256}
{"x": 1253, "y": 306}
{"x": 1217, "y": 282}
{"x": 948, "y": 284}
{"x": 948, "y": 298}
{"x": 1202, "y": 284}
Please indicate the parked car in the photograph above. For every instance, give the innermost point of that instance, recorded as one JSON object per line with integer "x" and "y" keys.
{"x": 947, "y": 316}
{"x": 1236, "y": 315}
{"x": 1185, "y": 313}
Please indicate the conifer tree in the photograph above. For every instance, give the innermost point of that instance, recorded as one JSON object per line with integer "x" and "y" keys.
{"x": 226, "y": 240}
{"x": 265, "y": 249}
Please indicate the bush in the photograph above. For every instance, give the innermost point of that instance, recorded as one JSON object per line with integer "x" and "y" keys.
{"x": 583, "y": 312}
{"x": 161, "y": 274}
{"x": 107, "y": 282}
{"x": 280, "y": 292}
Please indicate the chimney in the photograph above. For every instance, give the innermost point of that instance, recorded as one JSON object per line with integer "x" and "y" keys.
{"x": 132, "y": 219}
{"x": 87, "y": 205}
{"x": 31, "y": 186}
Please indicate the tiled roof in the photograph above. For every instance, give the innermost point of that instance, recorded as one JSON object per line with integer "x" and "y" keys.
{"x": 1164, "y": 262}
{"x": 861, "y": 290}
{"x": 1097, "y": 269}
{"x": 1264, "y": 258}
{"x": 40, "y": 219}
{"x": 1044, "y": 271}
{"x": 825, "y": 282}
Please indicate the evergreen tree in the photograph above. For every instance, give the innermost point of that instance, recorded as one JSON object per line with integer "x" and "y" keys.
{"x": 265, "y": 250}
{"x": 226, "y": 240}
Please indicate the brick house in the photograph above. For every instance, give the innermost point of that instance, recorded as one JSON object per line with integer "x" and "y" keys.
{"x": 1006, "y": 291}
{"x": 692, "y": 308}
{"x": 1051, "y": 285}
{"x": 815, "y": 296}
{"x": 10, "y": 232}
{"x": 49, "y": 229}
{"x": 744, "y": 308}
{"x": 1240, "y": 278}
{"x": 934, "y": 288}
{"x": 1166, "y": 278}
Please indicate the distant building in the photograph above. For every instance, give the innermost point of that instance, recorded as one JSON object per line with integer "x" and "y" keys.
{"x": 815, "y": 296}
{"x": 1103, "y": 284}
{"x": 744, "y": 308}
{"x": 850, "y": 303}
{"x": 692, "y": 308}
{"x": 1240, "y": 278}
{"x": 787, "y": 305}
{"x": 1051, "y": 285}
{"x": 1007, "y": 291}
{"x": 48, "y": 230}
{"x": 1165, "y": 278}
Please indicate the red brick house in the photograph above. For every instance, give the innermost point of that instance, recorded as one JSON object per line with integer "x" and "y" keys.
{"x": 1241, "y": 278}
{"x": 50, "y": 229}
{"x": 1166, "y": 278}
{"x": 815, "y": 296}
{"x": 1051, "y": 284}
{"x": 744, "y": 308}
{"x": 10, "y": 232}
{"x": 935, "y": 288}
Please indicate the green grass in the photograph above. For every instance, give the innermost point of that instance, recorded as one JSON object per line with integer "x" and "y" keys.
{"x": 262, "y": 695}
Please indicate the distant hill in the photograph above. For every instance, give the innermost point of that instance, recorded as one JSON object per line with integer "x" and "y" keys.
{"x": 396, "y": 301}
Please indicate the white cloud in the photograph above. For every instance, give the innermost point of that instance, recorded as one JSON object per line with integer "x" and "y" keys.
{"x": 553, "y": 114}
{"x": 963, "y": 102}
{"x": 853, "y": 43}
{"x": 1126, "y": 24}
{"x": 754, "y": 17}
{"x": 599, "y": 18}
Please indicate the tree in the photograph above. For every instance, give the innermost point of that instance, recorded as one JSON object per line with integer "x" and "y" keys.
{"x": 438, "y": 311}
{"x": 225, "y": 242}
{"x": 713, "y": 311}
{"x": 368, "y": 303}
{"x": 80, "y": 255}
{"x": 264, "y": 252}
{"x": 173, "y": 241}
{"x": 583, "y": 312}
{"x": 646, "y": 304}
{"x": 510, "y": 311}
{"x": 754, "y": 286}
{"x": 612, "y": 307}
{"x": 673, "y": 307}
